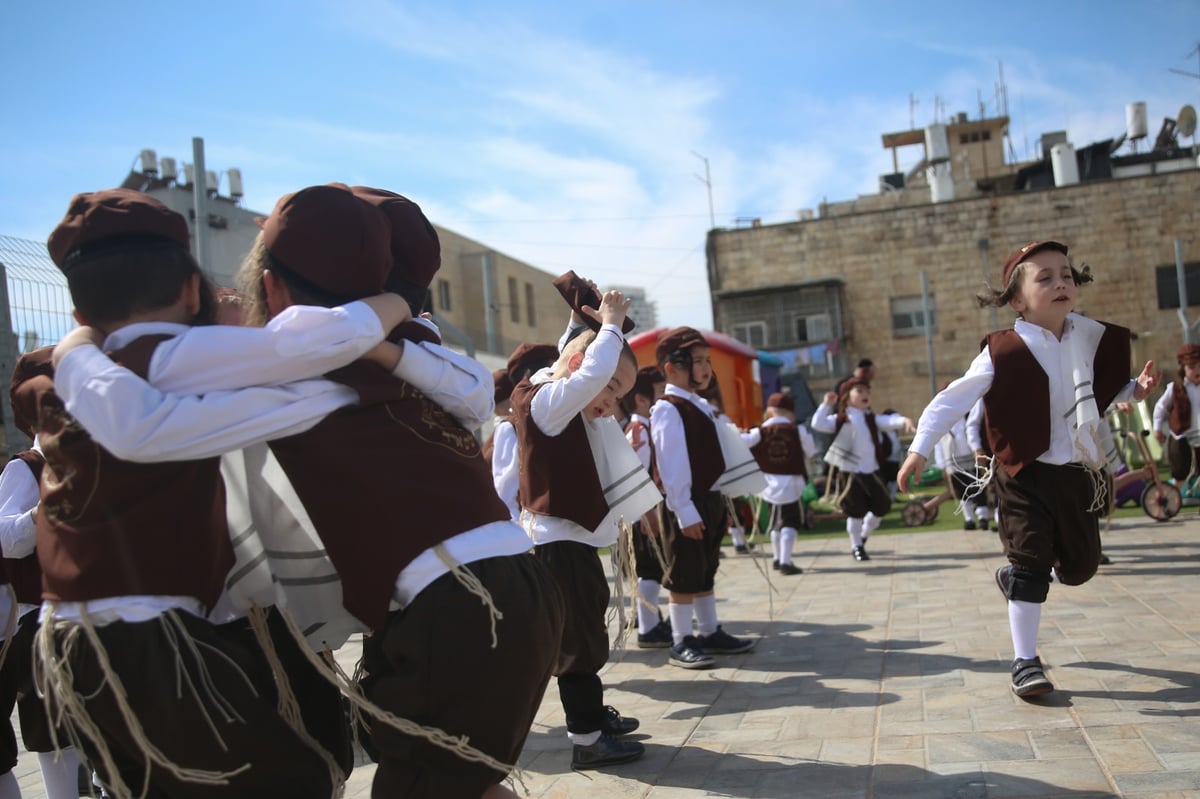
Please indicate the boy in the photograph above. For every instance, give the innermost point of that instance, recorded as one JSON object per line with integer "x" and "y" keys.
{"x": 1175, "y": 421}
{"x": 856, "y": 452}
{"x": 564, "y": 433}
{"x": 1045, "y": 385}
{"x": 689, "y": 463}
{"x": 525, "y": 360}
{"x": 781, "y": 447}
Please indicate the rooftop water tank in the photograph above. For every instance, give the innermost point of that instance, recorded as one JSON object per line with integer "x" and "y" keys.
{"x": 1064, "y": 164}
{"x": 937, "y": 146}
{"x": 1135, "y": 121}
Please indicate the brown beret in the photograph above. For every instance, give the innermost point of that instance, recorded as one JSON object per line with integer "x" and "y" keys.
{"x": 852, "y": 383}
{"x": 529, "y": 358}
{"x": 503, "y": 386}
{"x": 1024, "y": 254}
{"x": 576, "y": 291}
{"x": 416, "y": 250}
{"x": 780, "y": 400}
{"x": 330, "y": 239}
{"x": 1188, "y": 353}
{"x": 35, "y": 363}
{"x": 676, "y": 339}
{"x": 116, "y": 217}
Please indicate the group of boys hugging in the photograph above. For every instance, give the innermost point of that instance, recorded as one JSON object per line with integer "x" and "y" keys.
{"x": 209, "y": 510}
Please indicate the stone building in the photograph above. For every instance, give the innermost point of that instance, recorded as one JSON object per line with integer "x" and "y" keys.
{"x": 822, "y": 293}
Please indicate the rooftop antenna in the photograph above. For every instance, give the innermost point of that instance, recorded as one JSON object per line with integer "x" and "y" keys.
{"x": 913, "y": 102}
{"x": 1195, "y": 51}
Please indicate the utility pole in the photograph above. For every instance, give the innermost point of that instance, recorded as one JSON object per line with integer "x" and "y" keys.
{"x": 707, "y": 181}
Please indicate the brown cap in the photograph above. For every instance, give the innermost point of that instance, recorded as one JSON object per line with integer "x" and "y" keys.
{"x": 35, "y": 363}
{"x": 676, "y": 339}
{"x": 854, "y": 382}
{"x": 529, "y": 358}
{"x": 100, "y": 220}
{"x": 780, "y": 400}
{"x": 576, "y": 291}
{"x": 1188, "y": 353}
{"x": 416, "y": 250}
{"x": 330, "y": 239}
{"x": 1024, "y": 254}
{"x": 503, "y": 385}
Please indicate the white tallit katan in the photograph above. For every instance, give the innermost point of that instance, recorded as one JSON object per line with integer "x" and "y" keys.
{"x": 741, "y": 477}
{"x": 628, "y": 490}
{"x": 279, "y": 558}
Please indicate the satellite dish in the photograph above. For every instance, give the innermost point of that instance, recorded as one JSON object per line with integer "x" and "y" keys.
{"x": 1186, "y": 123}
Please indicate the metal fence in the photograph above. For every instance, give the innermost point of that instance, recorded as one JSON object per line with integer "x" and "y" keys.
{"x": 37, "y": 304}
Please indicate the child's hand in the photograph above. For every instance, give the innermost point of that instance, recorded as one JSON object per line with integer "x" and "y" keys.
{"x": 695, "y": 531}
{"x": 613, "y": 307}
{"x": 830, "y": 399}
{"x": 76, "y": 338}
{"x": 392, "y": 309}
{"x": 1159, "y": 436}
{"x": 913, "y": 465}
{"x": 1146, "y": 381}
{"x": 636, "y": 431}
{"x": 909, "y": 427}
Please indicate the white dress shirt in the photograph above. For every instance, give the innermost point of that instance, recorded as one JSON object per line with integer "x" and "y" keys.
{"x": 671, "y": 452}
{"x": 19, "y": 495}
{"x": 506, "y": 467}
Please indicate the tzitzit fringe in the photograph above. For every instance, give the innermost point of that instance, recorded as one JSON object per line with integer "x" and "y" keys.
{"x": 773, "y": 519}
{"x": 624, "y": 582}
{"x": 458, "y": 744}
{"x": 837, "y": 486}
{"x": 1100, "y": 496}
{"x": 10, "y": 624}
{"x": 983, "y": 475}
{"x": 659, "y": 514}
{"x": 470, "y": 582}
{"x": 287, "y": 705}
{"x": 55, "y": 682}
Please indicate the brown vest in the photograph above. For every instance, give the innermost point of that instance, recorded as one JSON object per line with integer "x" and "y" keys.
{"x": 24, "y": 574}
{"x": 1017, "y": 406}
{"x": 108, "y": 527}
{"x": 558, "y": 473}
{"x": 780, "y": 451}
{"x": 704, "y": 448}
{"x": 1180, "y": 419}
{"x": 385, "y": 480}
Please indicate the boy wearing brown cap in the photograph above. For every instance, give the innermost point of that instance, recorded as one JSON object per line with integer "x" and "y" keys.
{"x": 856, "y": 452}
{"x": 438, "y": 656}
{"x": 781, "y": 447}
{"x": 1177, "y": 421}
{"x": 119, "y": 592}
{"x": 689, "y": 463}
{"x": 575, "y": 469}
{"x": 1045, "y": 385}
{"x": 654, "y": 632}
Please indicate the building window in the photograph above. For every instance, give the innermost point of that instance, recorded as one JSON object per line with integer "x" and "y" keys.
{"x": 908, "y": 316}
{"x": 1168, "y": 285}
{"x": 987, "y": 135}
{"x": 514, "y": 301}
{"x": 443, "y": 295}
{"x": 530, "y": 315}
{"x": 752, "y": 334}
{"x": 813, "y": 328}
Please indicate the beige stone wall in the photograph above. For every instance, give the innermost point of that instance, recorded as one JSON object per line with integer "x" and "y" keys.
{"x": 1123, "y": 228}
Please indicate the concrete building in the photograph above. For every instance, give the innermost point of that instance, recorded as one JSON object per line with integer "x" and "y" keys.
{"x": 642, "y": 311}
{"x": 822, "y": 293}
{"x": 486, "y": 302}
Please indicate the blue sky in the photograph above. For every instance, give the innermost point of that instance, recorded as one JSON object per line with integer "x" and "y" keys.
{"x": 562, "y": 134}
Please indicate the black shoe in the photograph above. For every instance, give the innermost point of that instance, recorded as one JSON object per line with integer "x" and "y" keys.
{"x": 860, "y": 553}
{"x": 1104, "y": 559}
{"x": 788, "y": 568}
{"x": 741, "y": 549}
{"x": 1028, "y": 678}
{"x": 659, "y": 637}
{"x": 688, "y": 655}
{"x": 969, "y": 525}
{"x": 722, "y": 643}
{"x": 985, "y": 525}
{"x": 1004, "y": 580}
{"x": 607, "y": 751}
{"x": 615, "y": 724}
{"x": 775, "y": 565}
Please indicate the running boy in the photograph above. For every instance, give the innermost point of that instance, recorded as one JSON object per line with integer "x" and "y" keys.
{"x": 1177, "y": 421}
{"x": 1045, "y": 386}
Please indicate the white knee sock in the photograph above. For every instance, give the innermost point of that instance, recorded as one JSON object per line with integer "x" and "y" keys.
{"x": 738, "y": 535}
{"x": 969, "y": 511}
{"x": 681, "y": 620}
{"x": 981, "y": 514}
{"x": 1023, "y": 620}
{"x": 854, "y": 528}
{"x": 706, "y": 613}
{"x": 775, "y": 545}
{"x": 647, "y": 606}
{"x": 870, "y": 524}
{"x": 60, "y": 773}
{"x": 787, "y": 544}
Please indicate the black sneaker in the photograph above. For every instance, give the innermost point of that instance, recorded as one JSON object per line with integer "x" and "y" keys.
{"x": 741, "y": 549}
{"x": 615, "y": 724}
{"x": 1028, "y": 678}
{"x": 1004, "y": 579}
{"x": 860, "y": 553}
{"x": 607, "y": 751}
{"x": 788, "y": 568}
{"x": 659, "y": 637}
{"x": 688, "y": 655}
{"x": 969, "y": 525}
{"x": 1104, "y": 559}
{"x": 722, "y": 643}
{"x": 775, "y": 565}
